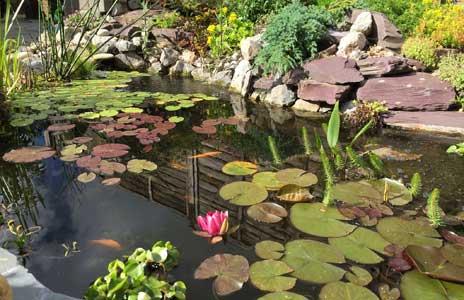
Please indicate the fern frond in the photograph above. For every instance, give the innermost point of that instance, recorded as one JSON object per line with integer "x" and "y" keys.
{"x": 274, "y": 151}
{"x": 415, "y": 184}
{"x": 433, "y": 208}
{"x": 376, "y": 163}
{"x": 306, "y": 143}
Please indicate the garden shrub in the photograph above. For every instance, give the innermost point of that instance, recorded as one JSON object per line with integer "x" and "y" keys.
{"x": 338, "y": 9}
{"x": 451, "y": 69}
{"x": 444, "y": 24}
{"x": 422, "y": 49}
{"x": 167, "y": 20}
{"x": 225, "y": 36}
{"x": 292, "y": 36}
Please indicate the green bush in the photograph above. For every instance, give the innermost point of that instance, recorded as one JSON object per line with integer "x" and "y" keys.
{"x": 338, "y": 9}
{"x": 167, "y": 20}
{"x": 452, "y": 70}
{"x": 421, "y": 49}
{"x": 292, "y": 36}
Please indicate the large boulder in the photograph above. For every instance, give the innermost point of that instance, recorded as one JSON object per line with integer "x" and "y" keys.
{"x": 313, "y": 90}
{"x": 363, "y": 23}
{"x": 382, "y": 66}
{"x": 201, "y": 74}
{"x": 125, "y": 46}
{"x": 181, "y": 68}
{"x": 388, "y": 35}
{"x": 169, "y": 57}
{"x": 250, "y": 46}
{"x": 334, "y": 70}
{"x": 267, "y": 83}
{"x": 417, "y": 91}
{"x": 129, "y": 62}
{"x": 242, "y": 77}
{"x": 294, "y": 76}
{"x": 280, "y": 96}
{"x": 221, "y": 78}
{"x": 302, "y": 105}
{"x": 351, "y": 45}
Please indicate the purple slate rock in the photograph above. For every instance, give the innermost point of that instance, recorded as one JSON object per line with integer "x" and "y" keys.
{"x": 293, "y": 77}
{"x": 267, "y": 83}
{"x": 322, "y": 92}
{"x": 416, "y": 91}
{"x": 382, "y": 66}
{"x": 334, "y": 70}
{"x": 441, "y": 121}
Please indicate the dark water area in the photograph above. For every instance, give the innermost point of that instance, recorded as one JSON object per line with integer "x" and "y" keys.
{"x": 69, "y": 211}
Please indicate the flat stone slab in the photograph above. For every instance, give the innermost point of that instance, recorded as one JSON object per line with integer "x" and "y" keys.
{"x": 416, "y": 91}
{"x": 23, "y": 283}
{"x": 313, "y": 90}
{"x": 446, "y": 122}
{"x": 333, "y": 70}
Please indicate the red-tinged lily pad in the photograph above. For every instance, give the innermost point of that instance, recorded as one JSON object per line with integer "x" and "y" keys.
{"x": 81, "y": 140}
{"x": 86, "y": 177}
{"x": 230, "y": 271}
{"x": 111, "y": 181}
{"x": 211, "y": 122}
{"x": 232, "y": 121}
{"x": 399, "y": 264}
{"x": 110, "y": 150}
{"x": 452, "y": 237}
{"x": 28, "y": 154}
{"x": 430, "y": 261}
{"x": 267, "y": 212}
{"x": 88, "y": 162}
{"x": 204, "y": 130}
{"x": 109, "y": 168}
{"x": 61, "y": 127}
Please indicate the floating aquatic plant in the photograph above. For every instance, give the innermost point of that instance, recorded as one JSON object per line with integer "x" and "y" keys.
{"x": 433, "y": 208}
{"x": 213, "y": 225}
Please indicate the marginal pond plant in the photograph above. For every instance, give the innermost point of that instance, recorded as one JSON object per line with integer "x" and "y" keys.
{"x": 141, "y": 275}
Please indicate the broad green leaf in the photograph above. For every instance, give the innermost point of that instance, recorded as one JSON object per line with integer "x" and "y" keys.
{"x": 342, "y": 290}
{"x": 333, "y": 129}
{"x": 269, "y": 250}
{"x": 268, "y": 275}
{"x": 243, "y": 193}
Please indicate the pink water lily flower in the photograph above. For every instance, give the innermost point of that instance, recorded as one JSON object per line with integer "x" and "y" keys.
{"x": 214, "y": 223}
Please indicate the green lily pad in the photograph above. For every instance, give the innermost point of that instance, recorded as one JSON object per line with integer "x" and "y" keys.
{"x": 297, "y": 177}
{"x": 282, "y": 296}
{"x": 86, "y": 177}
{"x": 360, "y": 276}
{"x": 133, "y": 110}
{"x": 343, "y": 290}
{"x": 267, "y": 275}
{"x": 318, "y": 220}
{"x": 269, "y": 250}
{"x": 454, "y": 253}
{"x": 311, "y": 260}
{"x": 239, "y": 168}
{"x": 21, "y": 122}
{"x": 140, "y": 165}
{"x": 361, "y": 246}
{"x": 109, "y": 113}
{"x": 176, "y": 119}
{"x": 73, "y": 149}
{"x": 415, "y": 285}
{"x": 408, "y": 232}
{"x": 231, "y": 272}
{"x": 243, "y": 193}
{"x": 172, "y": 107}
{"x": 268, "y": 180}
{"x": 267, "y": 212}
{"x": 430, "y": 261}
{"x": 294, "y": 193}
{"x": 89, "y": 115}
{"x": 386, "y": 293}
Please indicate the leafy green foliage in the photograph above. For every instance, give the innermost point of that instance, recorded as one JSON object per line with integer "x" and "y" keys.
{"x": 274, "y": 150}
{"x": 140, "y": 276}
{"x": 452, "y": 70}
{"x": 433, "y": 208}
{"x": 354, "y": 158}
{"x": 422, "y": 49}
{"x": 337, "y": 9}
{"x": 333, "y": 129}
{"x": 292, "y": 36}
{"x": 306, "y": 143}
{"x": 456, "y": 149}
{"x": 376, "y": 163}
{"x": 415, "y": 185}
{"x": 167, "y": 20}
{"x": 257, "y": 9}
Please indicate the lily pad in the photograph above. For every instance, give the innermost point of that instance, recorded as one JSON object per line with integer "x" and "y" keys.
{"x": 345, "y": 290}
{"x": 239, "y": 168}
{"x": 81, "y": 140}
{"x": 173, "y": 107}
{"x": 88, "y": 162}
{"x": 109, "y": 113}
{"x": 89, "y": 115}
{"x": 110, "y": 150}
{"x": 204, "y": 130}
{"x": 132, "y": 110}
{"x": 28, "y": 154}
{"x": 454, "y": 253}
{"x": 243, "y": 193}
{"x": 73, "y": 149}
{"x": 408, "y": 232}
{"x": 282, "y": 296}
{"x": 21, "y": 122}
{"x": 267, "y": 212}
{"x": 111, "y": 167}
{"x": 430, "y": 261}
{"x": 359, "y": 276}
{"x": 297, "y": 177}
{"x": 415, "y": 285}
{"x": 176, "y": 119}
{"x": 318, "y": 220}
{"x": 86, "y": 177}
{"x": 140, "y": 165}
{"x": 60, "y": 127}
{"x": 361, "y": 246}
{"x": 294, "y": 193}
{"x": 311, "y": 261}
{"x": 231, "y": 272}
{"x": 111, "y": 181}
{"x": 269, "y": 250}
{"x": 268, "y": 180}
{"x": 386, "y": 293}
{"x": 267, "y": 275}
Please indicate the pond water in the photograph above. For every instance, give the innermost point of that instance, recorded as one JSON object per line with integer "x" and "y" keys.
{"x": 184, "y": 183}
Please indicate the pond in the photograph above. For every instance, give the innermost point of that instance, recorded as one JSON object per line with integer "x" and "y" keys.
{"x": 108, "y": 222}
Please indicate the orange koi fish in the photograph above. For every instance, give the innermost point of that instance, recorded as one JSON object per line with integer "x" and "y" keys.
{"x": 207, "y": 154}
{"x": 107, "y": 243}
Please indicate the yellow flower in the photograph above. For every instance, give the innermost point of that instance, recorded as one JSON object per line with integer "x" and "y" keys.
{"x": 211, "y": 28}
{"x": 232, "y": 17}
{"x": 224, "y": 10}
{"x": 209, "y": 40}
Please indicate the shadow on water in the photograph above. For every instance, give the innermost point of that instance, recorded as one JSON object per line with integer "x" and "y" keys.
{"x": 182, "y": 185}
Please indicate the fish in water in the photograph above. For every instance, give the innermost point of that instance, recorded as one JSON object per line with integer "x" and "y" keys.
{"x": 207, "y": 154}
{"x": 107, "y": 243}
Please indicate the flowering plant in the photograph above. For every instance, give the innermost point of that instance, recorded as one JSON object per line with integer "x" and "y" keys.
{"x": 225, "y": 36}
{"x": 214, "y": 225}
